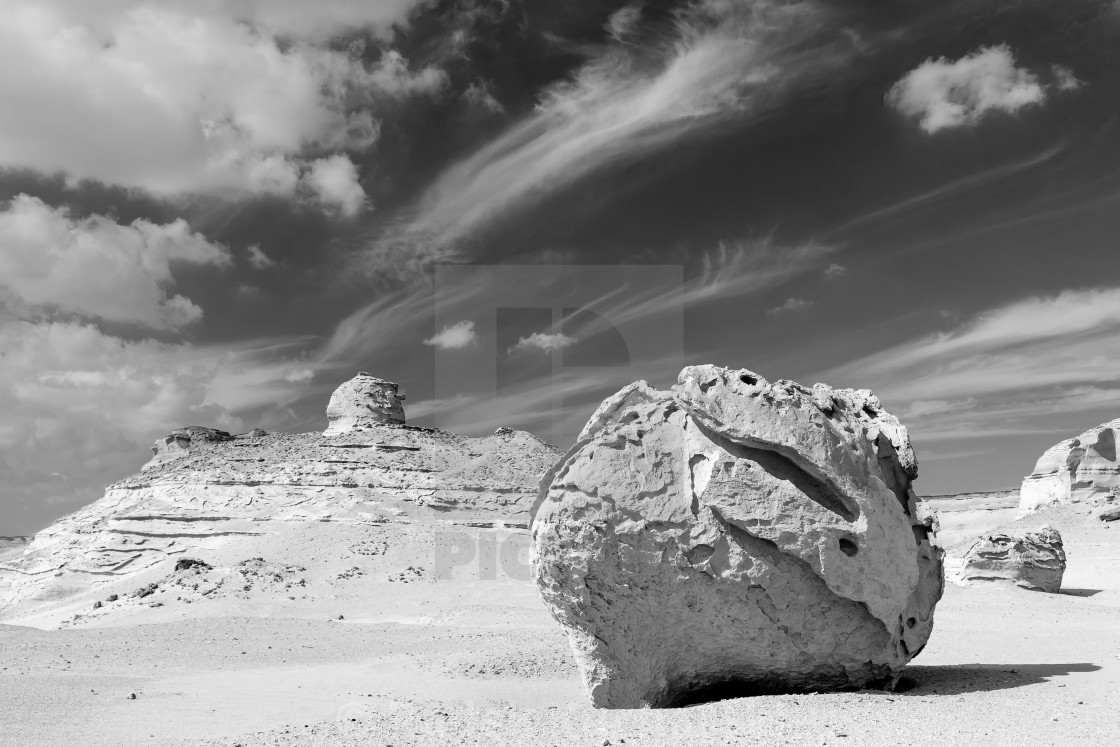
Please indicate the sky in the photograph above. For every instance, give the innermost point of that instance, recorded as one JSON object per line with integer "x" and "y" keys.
{"x": 214, "y": 212}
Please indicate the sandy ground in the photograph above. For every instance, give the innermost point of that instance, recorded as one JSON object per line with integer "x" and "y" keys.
{"x": 1004, "y": 666}
{"x": 480, "y": 662}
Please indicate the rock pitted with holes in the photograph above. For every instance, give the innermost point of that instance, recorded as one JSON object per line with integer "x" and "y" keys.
{"x": 736, "y": 533}
{"x": 1034, "y": 560}
{"x": 364, "y": 402}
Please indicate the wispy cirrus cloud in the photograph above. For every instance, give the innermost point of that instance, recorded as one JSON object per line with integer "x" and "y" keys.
{"x": 1007, "y": 370}
{"x": 719, "y": 62}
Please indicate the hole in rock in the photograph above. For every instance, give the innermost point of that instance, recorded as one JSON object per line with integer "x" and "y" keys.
{"x": 748, "y": 379}
{"x": 848, "y": 547}
{"x": 911, "y": 622}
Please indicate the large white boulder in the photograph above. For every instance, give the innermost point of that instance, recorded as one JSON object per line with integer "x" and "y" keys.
{"x": 734, "y": 532}
{"x": 1084, "y": 469}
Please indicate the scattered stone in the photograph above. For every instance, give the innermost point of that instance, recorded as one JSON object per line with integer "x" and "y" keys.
{"x": 1109, "y": 514}
{"x": 1077, "y": 470}
{"x": 184, "y": 564}
{"x": 362, "y": 402}
{"x": 736, "y": 535}
{"x": 1035, "y": 560}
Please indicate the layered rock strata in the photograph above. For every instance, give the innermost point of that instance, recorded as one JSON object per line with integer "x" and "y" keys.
{"x": 1032, "y": 560}
{"x": 1084, "y": 469}
{"x": 736, "y": 533}
{"x": 207, "y": 491}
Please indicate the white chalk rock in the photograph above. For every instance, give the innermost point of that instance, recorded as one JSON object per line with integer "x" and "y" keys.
{"x": 363, "y": 402}
{"x": 735, "y": 532}
{"x": 1034, "y": 560}
{"x": 1078, "y": 470}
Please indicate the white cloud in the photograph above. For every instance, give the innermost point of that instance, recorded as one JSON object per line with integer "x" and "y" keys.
{"x": 97, "y": 268}
{"x": 1065, "y": 79}
{"x": 334, "y": 183}
{"x": 258, "y": 259}
{"x": 835, "y": 271}
{"x": 291, "y": 18}
{"x": 726, "y": 61}
{"x": 545, "y": 342}
{"x": 454, "y": 336}
{"x": 944, "y": 94}
{"x": 179, "y": 98}
{"x": 790, "y": 305}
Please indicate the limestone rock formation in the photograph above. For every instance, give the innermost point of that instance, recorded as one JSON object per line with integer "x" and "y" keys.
{"x": 178, "y": 443}
{"x": 373, "y": 499}
{"x": 1033, "y": 560}
{"x": 1078, "y": 470}
{"x": 736, "y": 532}
{"x": 363, "y": 402}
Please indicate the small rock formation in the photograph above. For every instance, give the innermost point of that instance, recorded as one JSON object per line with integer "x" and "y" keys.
{"x": 363, "y": 402}
{"x": 1034, "y": 560}
{"x": 1078, "y": 470}
{"x": 177, "y": 444}
{"x": 736, "y": 533}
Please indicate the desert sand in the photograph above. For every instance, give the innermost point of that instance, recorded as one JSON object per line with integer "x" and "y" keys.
{"x": 487, "y": 665}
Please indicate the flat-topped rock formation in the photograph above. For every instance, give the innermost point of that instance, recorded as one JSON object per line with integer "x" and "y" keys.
{"x": 736, "y": 533}
{"x": 373, "y": 494}
{"x": 1084, "y": 469}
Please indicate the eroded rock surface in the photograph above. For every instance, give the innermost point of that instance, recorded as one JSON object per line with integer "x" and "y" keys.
{"x": 1084, "y": 469}
{"x": 208, "y": 494}
{"x": 736, "y": 532}
{"x": 363, "y": 402}
{"x": 1033, "y": 560}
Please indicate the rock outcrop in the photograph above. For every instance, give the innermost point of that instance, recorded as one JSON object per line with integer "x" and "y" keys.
{"x": 1078, "y": 470}
{"x": 736, "y": 533}
{"x": 373, "y": 498}
{"x": 364, "y": 402}
{"x": 964, "y": 516}
{"x": 1033, "y": 560}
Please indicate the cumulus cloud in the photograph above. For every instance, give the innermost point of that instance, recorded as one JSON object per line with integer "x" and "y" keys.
{"x": 97, "y": 268}
{"x": 545, "y": 342}
{"x": 944, "y": 94}
{"x": 835, "y": 271}
{"x": 791, "y": 304}
{"x": 454, "y": 336}
{"x": 1064, "y": 78}
{"x": 179, "y": 98}
{"x": 724, "y": 61}
{"x": 334, "y": 183}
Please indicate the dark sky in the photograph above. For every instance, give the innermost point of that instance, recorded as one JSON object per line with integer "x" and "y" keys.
{"x": 213, "y": 213}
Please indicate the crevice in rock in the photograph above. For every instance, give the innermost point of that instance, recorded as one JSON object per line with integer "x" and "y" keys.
{"x": 781, "y": 467}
